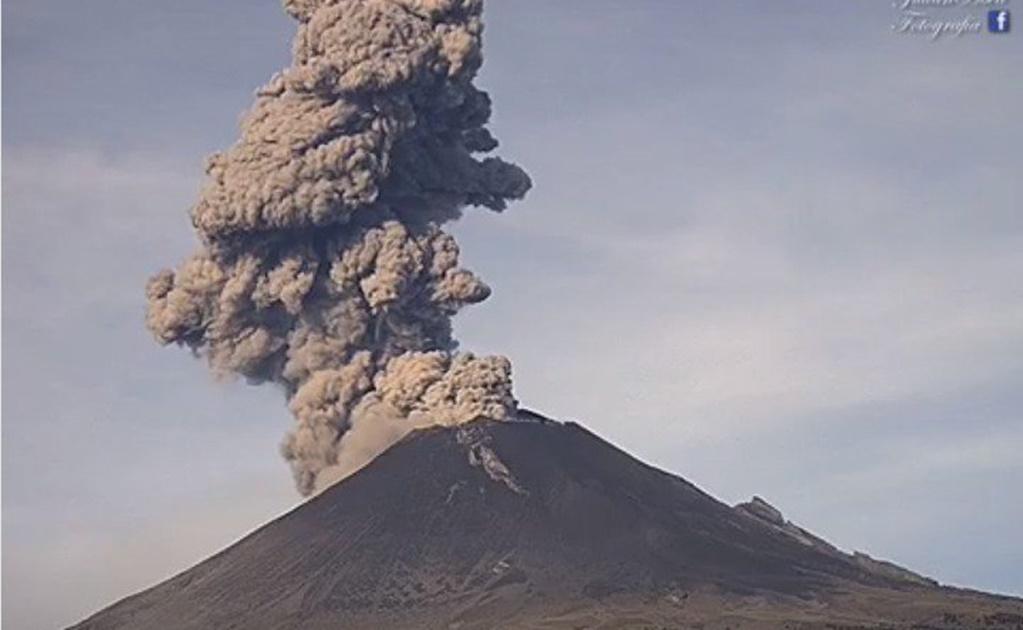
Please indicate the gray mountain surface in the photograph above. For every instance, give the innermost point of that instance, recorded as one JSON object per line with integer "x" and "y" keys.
{"x": 539, "y": 524}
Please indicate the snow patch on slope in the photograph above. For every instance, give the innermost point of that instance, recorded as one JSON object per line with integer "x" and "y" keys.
{"x": 476, "y": 440}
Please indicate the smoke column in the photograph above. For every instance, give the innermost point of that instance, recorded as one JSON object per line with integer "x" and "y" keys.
{"x": 323, "y": 265}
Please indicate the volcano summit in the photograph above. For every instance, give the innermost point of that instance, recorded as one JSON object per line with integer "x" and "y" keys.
{"x": 538, "y": 524}
{"x": 324, "y": 268}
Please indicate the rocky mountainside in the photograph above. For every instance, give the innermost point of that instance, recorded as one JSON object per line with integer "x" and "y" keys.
{"x": 539, "y": 524}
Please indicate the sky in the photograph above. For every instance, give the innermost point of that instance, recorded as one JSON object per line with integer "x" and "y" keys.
{"x": 774, "y": 249}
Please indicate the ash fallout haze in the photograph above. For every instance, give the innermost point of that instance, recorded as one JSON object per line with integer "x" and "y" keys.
{"x": 324, "y": 267}
{"x": 774, "y": 249}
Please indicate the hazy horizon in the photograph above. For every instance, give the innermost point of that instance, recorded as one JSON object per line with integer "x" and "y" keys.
{"x": 776, "y": 250}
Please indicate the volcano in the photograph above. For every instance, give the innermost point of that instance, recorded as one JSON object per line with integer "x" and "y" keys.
{"x": 539, "y": 524}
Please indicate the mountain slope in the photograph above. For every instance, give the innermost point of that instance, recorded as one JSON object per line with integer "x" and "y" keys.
{"x": 537, "y": 524}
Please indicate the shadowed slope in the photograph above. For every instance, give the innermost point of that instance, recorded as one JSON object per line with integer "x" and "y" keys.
{"x": 534, "y": 524}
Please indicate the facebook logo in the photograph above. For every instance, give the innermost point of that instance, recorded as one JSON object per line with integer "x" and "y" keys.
{"x": 999, "y": 21}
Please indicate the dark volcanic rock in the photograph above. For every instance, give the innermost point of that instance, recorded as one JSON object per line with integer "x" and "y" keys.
{"x": 537, "y": 524}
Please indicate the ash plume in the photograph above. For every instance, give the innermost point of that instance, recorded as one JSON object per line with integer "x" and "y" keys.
{"x": 323, "y": 265}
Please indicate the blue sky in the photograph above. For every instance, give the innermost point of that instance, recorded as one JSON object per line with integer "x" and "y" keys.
{"x": 776, "y": 250}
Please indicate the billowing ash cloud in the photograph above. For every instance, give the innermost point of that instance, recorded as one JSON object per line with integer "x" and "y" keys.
{"x": 323, "y": 266}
